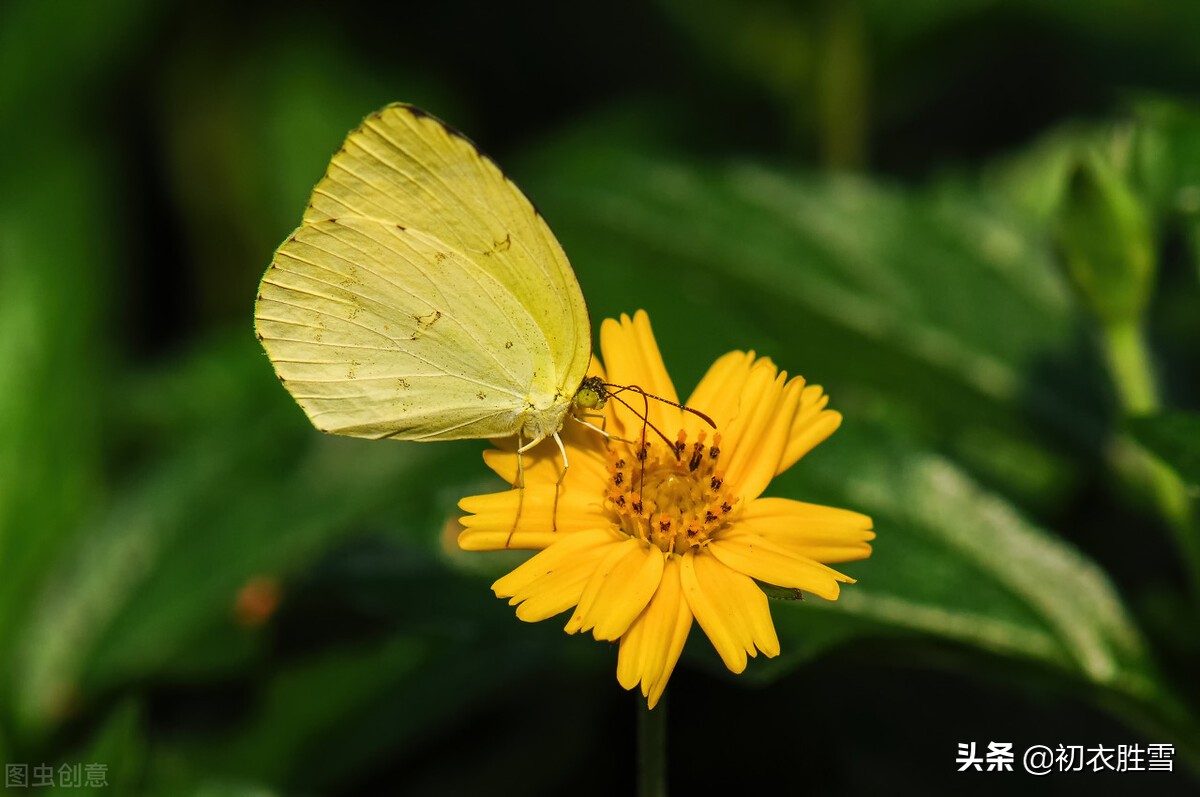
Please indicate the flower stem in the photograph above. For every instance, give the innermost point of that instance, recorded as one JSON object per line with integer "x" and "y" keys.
{"x": 652, "y": 749}
{"x": 842, "y": 87}
{"x": 1129, "y": 363}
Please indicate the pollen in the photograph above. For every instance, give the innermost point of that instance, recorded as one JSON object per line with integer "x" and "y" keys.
{"x": 670, "y": 495}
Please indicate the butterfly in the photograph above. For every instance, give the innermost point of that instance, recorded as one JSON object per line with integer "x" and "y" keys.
{"x": 423, "y": 297}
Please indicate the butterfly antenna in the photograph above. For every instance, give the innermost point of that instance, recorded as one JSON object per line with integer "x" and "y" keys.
{"x": 644, "y": 451}
{"x": 644, "y": 416}
{"x": 613, "y": 389}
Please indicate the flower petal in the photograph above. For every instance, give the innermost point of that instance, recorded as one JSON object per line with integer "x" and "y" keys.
{"x": 775, "y": 564}
{"x": 758, "y": 435}
{"x": 823, "y": 533}
{"x": 811, "y": 425}
{"x": 543, "y": 464}
{"x": 618, "y": 590}
{"x": 632, "y": 357}
{"x": 719, "y": 393}
{"x": 730, "y": 608}
{"x": 652, "y": 645}
{"x": 490, "y": 526}
{"x": 591, "y": 546}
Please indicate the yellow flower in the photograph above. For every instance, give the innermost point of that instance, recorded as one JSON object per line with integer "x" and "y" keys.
{"x": 641, "y": 547}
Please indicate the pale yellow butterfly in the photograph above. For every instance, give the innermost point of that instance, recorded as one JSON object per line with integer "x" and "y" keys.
{"x": 423, "y": 297}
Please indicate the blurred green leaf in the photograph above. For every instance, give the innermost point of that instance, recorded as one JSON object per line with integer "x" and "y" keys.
{"x": 938, "y": 322}
{"x": 160, "y": 570}
{"x": 1173, "y": 437}
{"x": 118, "y": 746}
{"x": 1166, "y": 155}
{"x": 444, "y": 649}
{"x": 247, "y": 138}
{"x": 53, "y": 49}
{"x": 935, "y": 309}
{"x": 1032, "y": 179}
{"x": 958, "y": 562}
{"x": 52, "y": 361}
{"x": 1167, "y": 163}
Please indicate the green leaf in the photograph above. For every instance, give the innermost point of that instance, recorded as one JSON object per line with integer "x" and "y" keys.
{"x": 441, "y": 650}
{"x": 1167, "y": 164}
{"x": 934, "y": 309}
{"x": 52, "y": 360}
{"x": 152, "y": 586}
{"x": 953, "y": 560}
{"x": 118, "y": 746}
{"x": 1173, "y": 437}
{"x": 53, "y": 50}
{"x": 942, "y": 329}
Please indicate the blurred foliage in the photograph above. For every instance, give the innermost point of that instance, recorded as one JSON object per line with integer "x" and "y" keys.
{"x": 1175, "y": 438}
{"x": 941, "y": 211}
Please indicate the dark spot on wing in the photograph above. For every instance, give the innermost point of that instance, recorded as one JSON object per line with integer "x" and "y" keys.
{"x": 424, "y": 322}
{"x": 481, "y": 395}
{"x": 508, "y": 344}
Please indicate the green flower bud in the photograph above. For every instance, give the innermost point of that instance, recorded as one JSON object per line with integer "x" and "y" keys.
{"x": 1104, "y": 235}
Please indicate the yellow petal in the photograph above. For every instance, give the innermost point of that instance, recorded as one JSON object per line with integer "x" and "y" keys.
{"x": 730, "y": 608}
{"x": 499, "y": 508}
{"x": 774, "y": 564}
{"x": 543, "y": 464}
{"x": 811, "y": 425}
{"x": 652, "y": 645}
{"x": 592, "y": 545}
{"x": 555, "y": 592}
{"x": 618, "y": 590}
{"x": 759, "y": 436}
{"x": 823, "y": 533}
{"x": 540, "y": 524}
{"x": 742, "y": 434}
{"x": 632, "y": 357}
{"x": 719, "y": 393}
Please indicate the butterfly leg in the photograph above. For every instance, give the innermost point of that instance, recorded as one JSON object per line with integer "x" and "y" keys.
{"x": 602, "y": 428}
{"x": 519, "y": 486}
{"x": 558, "y": 484}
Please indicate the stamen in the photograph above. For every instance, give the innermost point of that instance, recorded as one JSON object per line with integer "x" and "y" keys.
{"x": 673, "y": 503}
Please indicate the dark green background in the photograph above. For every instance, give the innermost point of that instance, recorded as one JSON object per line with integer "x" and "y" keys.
{"x": 871, "y": 193}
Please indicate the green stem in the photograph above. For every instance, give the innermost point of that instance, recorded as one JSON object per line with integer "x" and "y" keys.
{"x": 1129, "y": 362}
{"x": 842, "y": 87}
{"x": 652, "y": 749}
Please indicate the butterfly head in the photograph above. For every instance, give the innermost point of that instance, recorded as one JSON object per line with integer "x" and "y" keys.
{"x": 591, "y": 395}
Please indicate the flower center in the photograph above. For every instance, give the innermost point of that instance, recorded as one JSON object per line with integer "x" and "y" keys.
{"x": 672, "y": 497}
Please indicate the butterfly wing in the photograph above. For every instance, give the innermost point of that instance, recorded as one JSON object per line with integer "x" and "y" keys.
{"x": 423, "y": 297}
